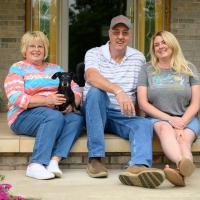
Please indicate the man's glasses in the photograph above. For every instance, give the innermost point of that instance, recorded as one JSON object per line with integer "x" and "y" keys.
{"x": 118, "y": 33}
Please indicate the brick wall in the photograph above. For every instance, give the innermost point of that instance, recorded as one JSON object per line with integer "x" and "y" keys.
{"x": 79, "y": 161}
{"x": 12, "y": 23}
{"x": 185, "y": 24}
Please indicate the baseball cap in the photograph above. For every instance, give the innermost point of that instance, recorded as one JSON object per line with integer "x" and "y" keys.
{"x": 120, "y": 19}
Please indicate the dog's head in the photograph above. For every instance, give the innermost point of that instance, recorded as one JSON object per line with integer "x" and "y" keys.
{"x": 65, "y": 78}
{"x": 64, "y": 87}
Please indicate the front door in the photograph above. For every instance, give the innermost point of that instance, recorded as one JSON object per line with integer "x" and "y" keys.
{"x": 88, "y": 25}
{"x": 74, "y": 26}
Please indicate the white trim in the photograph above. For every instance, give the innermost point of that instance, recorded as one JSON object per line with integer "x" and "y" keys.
{"x": 64, "y": 45}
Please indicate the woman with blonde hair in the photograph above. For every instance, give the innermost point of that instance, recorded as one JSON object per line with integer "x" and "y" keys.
{"x": 32, "y": 96}
{"x": 169, "y": 93}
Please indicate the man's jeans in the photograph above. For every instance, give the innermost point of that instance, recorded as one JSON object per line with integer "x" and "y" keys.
{"x": 54, "y": 132}
{"x": 100, "y": 117}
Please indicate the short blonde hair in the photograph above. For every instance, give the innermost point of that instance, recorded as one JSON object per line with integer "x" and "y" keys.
{"x": 34, "y": 35}
{"x": 178, "y": 62}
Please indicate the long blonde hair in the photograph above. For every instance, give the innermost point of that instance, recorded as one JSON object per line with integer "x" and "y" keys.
{"x": 29, "y": 36}
{"x": 178, "y": 62}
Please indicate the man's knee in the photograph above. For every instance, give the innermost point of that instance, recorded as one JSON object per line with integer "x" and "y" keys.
{"x": 143, "y": 122}
{"x": 97, "y": 95}
{"x": 146, "y": 126}
{"x": 95, "y": 92}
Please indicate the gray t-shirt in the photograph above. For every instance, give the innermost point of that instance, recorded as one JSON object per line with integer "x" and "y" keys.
{"x": 168, "y": 91}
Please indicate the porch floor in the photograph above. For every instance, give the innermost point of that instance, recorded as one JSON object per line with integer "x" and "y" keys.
{"x": 76, "y": 184}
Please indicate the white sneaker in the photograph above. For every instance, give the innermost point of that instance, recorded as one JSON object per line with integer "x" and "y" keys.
{"x": 54, "y": 168}
{"x": 38, "y": 171}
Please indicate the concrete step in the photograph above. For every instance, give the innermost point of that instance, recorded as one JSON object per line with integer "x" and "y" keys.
{"x": 11, "y": 143}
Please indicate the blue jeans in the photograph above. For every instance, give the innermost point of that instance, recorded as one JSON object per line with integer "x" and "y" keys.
{"x": 54, "y": 132}
{"x": 100, "y": 117}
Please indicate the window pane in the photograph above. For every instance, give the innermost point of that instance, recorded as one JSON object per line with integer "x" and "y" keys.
{"x": 151, "y": 18}
{"x": 89, "y": 22}
{"x": 44, "y": 19}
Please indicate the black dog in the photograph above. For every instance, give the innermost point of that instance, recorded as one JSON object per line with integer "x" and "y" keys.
{"x": 65, "y": 88}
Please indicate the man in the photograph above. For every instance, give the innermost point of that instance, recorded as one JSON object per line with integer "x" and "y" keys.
{"x": 111, "y": 73}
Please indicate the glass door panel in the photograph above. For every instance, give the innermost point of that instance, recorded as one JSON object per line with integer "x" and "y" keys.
{"x": 150, "y": 16}
{"x": 44, "y": 15}
{"x": 88, "y": 25}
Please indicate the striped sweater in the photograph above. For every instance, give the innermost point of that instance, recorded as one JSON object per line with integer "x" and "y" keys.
{"x": 24, "y": 80}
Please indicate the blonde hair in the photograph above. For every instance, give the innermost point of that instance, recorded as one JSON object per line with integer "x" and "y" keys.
{"x": 34, "y": 35}
{"x": 178, "y": 62}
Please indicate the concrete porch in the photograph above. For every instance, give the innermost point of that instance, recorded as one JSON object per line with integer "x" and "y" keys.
{"x": 76, "y": 184}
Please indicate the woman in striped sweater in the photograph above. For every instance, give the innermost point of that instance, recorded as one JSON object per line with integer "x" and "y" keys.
{"x": 32, "y": 96}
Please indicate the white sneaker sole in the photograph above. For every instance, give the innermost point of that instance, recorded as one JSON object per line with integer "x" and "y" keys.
{"x": 39, "y": 177}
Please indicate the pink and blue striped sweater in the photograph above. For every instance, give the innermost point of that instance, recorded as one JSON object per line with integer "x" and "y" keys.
{"x": 25, "y": 80}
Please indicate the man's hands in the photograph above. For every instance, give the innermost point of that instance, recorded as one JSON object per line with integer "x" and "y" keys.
{"x": 125, "y": 102}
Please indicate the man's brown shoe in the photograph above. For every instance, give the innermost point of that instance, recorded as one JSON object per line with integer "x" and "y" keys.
{"x": 142, "y": 177}
{"x": 174, "y": 177}
{"x": 96, "y": 169}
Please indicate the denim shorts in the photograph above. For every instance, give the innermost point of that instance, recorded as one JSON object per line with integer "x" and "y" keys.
{"x": 194, "y": 124}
